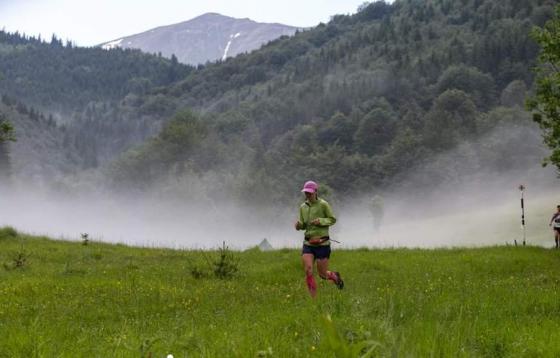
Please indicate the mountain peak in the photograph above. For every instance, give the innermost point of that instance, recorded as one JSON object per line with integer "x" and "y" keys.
{"x": 207, "y": 37}
{"x": 209, "y": 15}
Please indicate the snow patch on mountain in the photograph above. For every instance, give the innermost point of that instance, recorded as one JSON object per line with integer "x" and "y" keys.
{"x": 231, "y": 37}
{"x": 112, "y": 44}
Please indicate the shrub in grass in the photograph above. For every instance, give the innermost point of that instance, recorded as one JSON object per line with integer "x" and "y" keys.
{"x": 197, "y": 271}
{"x": 226, "y": 264}
{"x": 19, "y": 260}
{"x": 223, "y": 265}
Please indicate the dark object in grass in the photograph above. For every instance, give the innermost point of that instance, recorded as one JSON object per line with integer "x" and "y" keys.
{"x": 19, "y": 261}
{"x": 198, "y": 272}
{"x": 85, "y": 238}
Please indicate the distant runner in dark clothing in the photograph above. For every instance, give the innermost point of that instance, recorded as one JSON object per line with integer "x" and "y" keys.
{"x": 315, "y": 217}
{"x": 555, "y": 223}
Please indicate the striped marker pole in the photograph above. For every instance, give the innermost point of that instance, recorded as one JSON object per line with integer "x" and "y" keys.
{"x": 522, "y": 189}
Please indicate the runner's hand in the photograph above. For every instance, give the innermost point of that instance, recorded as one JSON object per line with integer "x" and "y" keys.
{"x": 316, "y": 222}
{"x": 297, "y": 225}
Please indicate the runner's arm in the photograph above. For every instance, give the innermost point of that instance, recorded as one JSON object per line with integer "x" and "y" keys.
{"x": 302, "y": 225}
{"x": 329, "y": 218}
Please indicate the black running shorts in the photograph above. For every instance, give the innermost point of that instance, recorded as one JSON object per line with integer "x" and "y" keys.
{"x": 318, "y": 252}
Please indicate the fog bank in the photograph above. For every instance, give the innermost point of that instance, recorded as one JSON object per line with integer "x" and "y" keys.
{"x": 468, "y": 196}
{"x": 467, "y": 215}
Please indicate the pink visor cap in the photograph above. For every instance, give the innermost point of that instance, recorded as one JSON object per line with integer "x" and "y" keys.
{"x": 309, "y": 187}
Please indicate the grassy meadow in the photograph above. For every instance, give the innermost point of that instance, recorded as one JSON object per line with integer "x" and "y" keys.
{"x": 66, "y": 299}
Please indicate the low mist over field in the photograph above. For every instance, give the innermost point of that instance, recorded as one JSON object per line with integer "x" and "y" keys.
{"x": 139, "y": 221}
{"x": 469, "y": 215}
{"x": 458, "y": 198}
{"x": 468, "y": 196}
{"x": 485, "y": 211}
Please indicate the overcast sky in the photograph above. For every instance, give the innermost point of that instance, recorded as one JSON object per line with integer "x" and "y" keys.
{"x": 89, "y": 23}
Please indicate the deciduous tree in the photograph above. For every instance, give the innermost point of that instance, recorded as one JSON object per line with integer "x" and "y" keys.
{"x": 545, "y": 104}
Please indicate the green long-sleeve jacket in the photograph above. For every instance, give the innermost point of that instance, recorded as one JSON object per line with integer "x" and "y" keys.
{"x": 319, "y": 210}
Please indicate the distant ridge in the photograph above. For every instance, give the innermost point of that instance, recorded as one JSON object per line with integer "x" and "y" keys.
{"x": 208, "y": 37}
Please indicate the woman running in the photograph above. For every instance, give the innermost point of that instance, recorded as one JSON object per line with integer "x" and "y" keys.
{"x": 315, "y": 217}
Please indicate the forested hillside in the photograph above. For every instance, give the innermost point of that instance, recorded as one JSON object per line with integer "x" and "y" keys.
{"x": 357, "y": 103}
{"x": 73, "y": 85}
{"x": 64, "y": 78}
{"x": 42, "y": 150}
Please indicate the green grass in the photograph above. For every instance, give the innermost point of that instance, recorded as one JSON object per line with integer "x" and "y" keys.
{"x": 101, "y": 300}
